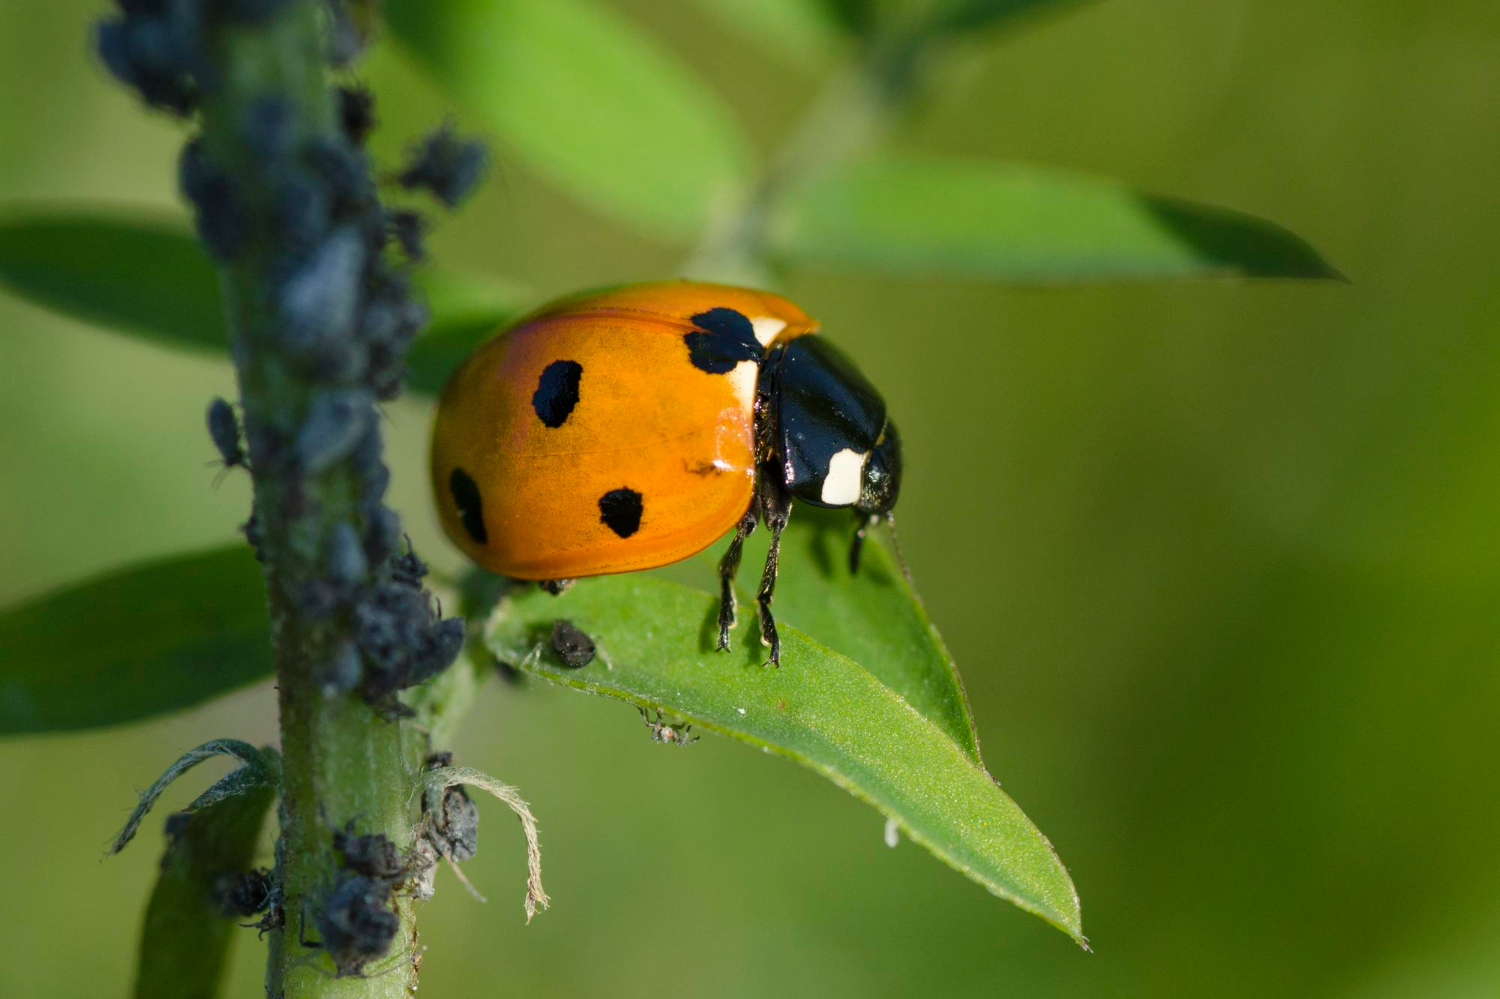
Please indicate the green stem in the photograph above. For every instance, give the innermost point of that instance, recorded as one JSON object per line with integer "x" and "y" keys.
{"x": 342, "y": 761}
{"x": 850, "y": 114}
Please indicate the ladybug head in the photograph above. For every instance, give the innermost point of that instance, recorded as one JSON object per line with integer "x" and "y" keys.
{"x": 881, "y": 482}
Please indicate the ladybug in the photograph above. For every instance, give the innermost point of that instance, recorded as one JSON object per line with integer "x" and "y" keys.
{"x": 633, "y": 427}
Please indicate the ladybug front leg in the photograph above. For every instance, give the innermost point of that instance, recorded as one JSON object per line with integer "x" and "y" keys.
{"x": 863, "y": 523}
{"x": 729, "y": 565}
{"x": 776, "y": 508}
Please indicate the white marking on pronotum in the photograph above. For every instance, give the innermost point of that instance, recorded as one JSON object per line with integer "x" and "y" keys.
{"x": 766, "y": 328}
{"x": 742, "y": 380}
{"x": 845, "y": 471}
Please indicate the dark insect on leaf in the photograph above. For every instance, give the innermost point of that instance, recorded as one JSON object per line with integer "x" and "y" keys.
{"x": 150, "y": 55}
{"x": 345, "y": 171}
{"x": 224, "y": 430}
{"x": 357, "y": 112}
{"x": 574, "y": 648}
{"x": 319, "y": 300}
{"x": 333, "y": 428}
{"x": 373, "y": 854}
{"x": 346, "y": 556}
{"x": 302, "y": 211}
{"x": 671, "y": 734}
{"x": 445, "y": 165}
{"x": 402, "y": 639}
{"x": 453, "y": 828}
{"x": 408, "y": 568}
{"x": 357, "y": 923}
{"x": 242, "y": 894}
{"x": 218, "y": 218}
{"x": 382, "y": 533}
{"x": 408, "y": 228}
{"x": 349, "y": 31}
{"x": 254, "y": 537}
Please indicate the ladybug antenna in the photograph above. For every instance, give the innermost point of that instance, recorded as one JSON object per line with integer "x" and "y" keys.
{"x": 890, "y": 519}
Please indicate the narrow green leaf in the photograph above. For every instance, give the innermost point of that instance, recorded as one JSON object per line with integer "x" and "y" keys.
{"x": 1025, "y": 224}
{"x": 977, "y": 15}
{"x": 143, "y": 274}
{"x": 152, "y": 638}
{"x": 186, "y": 936}
{"x": 873, "y": 617}
{"x": 256, "y": 768}
{"x": 138, "y": 273}
{"x": 586, "y": 98}
{"x": 820, "y": 708}
{"x": 806, "y": 31}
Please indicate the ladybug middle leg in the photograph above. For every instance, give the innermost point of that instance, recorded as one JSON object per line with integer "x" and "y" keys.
{"x": 729, "y": 565}
{"x": 776, "y": 508}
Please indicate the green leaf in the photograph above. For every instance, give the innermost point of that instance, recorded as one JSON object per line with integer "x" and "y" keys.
{"x": 185, "y": 937}
{"x": 143, "y": 274}
{"x": 820, "y": 708}
{"x": 145, "y": 640}
{"x": 586, "y": 98}
{"x": 257, "y": 768}
{"x": 1024, "y": 224}
{"x": 873, "y": 616}
{"x": 977, "y": 15}
{"x": 806, "y": 31}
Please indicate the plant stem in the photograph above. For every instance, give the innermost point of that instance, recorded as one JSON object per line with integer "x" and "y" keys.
{"x": 850, "y": 114}
{"x": 342, "y": 761}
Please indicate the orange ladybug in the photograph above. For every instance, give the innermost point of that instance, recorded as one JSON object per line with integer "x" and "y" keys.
{"x": 633, "y": 427}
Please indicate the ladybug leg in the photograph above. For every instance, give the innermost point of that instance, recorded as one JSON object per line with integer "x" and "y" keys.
{"x": 776, "y": 507}
{"x": 863, "y": 524}
{"x": 729, "y": 565}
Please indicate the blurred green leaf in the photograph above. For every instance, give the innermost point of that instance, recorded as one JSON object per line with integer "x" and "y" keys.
{"x": 185, "y": 937}
{"x": 855, "y": 17}
{"x": 143, "y": 274}
{"x": 1024, "y": 224}
{"x": 148, "y": 276}
{"x": 656, "y": 650}
{"x": 805, "y": 31}
{"x": 977, "y": 15}
{"x": 145, "y": 640}
{"x": 586, "y": 98}
{"x": 873, "y": 617}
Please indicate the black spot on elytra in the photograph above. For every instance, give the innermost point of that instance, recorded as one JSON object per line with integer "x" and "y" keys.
{"x": 470, "y": 505}
{"x": 620, "y": 511}
{"x": 723, "y": 339}
{"x": 557, "y": 392}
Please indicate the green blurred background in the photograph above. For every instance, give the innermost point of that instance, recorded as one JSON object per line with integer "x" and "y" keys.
{"x": 1217, "y": 560}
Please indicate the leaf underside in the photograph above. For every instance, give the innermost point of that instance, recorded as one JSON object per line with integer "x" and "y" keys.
{"x": 656, "y": 650}
{"x": 185, "y": 937}
{"x": 84, "y": 656}
{"x": 1023, "y": 224}
{"x": 587, "y": 99}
